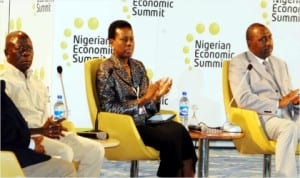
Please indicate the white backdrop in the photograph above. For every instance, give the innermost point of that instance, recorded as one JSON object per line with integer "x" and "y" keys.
{"x": 171, "y": 39}
{"x": 4, "y": 21}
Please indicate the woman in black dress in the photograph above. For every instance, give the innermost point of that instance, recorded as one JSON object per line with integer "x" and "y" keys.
{"x": 123, "y": 86}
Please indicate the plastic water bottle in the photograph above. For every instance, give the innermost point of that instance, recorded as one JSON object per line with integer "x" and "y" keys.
{"x": 59, "y": 108}
{"x": 184, "y": 109}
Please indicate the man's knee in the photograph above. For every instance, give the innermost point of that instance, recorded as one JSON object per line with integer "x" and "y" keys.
{"x": 96, "y": 152}
{"x": 65, "y": 168}
{"x": 290, "y": 129}
{"x": 290, "y": 126}
{"x": 99, "y": 149}
{"x": 66, "y": 153}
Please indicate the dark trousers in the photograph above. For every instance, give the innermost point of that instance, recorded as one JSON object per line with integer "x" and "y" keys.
{"x": 174, "y": 143}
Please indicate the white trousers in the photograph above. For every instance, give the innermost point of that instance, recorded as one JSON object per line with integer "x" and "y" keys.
{"x": 89, "y": 153}
{"x": 51, "y": 168}
{"x": 287, "y": 135}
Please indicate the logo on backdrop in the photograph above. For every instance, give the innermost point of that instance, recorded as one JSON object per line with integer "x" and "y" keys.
{"x": 281, "y": 11}
{"x": 203, "y": 53}
{"x": 80, "y": 45}
{"x": 147, "y": 8}
{"x": 42, "y": 6}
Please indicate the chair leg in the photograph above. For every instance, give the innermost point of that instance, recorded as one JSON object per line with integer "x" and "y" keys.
{"x": 267, "y": 165}
{"x": 134, "y": 168}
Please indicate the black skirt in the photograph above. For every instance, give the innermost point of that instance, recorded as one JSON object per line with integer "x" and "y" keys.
{"x": 174, "y": 143}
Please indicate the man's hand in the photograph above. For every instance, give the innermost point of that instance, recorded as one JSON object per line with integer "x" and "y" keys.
{"x": 296, "y": 100}
{"x": 292, "y": 97}
{"x": 53, "y": 129}
{"x": 38, "y": 146}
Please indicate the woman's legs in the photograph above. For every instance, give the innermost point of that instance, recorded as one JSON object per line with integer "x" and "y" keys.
{"x": 174, "y": 144}
{"x": 188, "y": 169}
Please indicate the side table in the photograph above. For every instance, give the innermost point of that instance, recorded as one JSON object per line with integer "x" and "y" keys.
{"x": 203, "y": 147}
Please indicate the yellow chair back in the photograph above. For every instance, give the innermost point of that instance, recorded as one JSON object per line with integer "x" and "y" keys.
{"x": 90, "y": 68}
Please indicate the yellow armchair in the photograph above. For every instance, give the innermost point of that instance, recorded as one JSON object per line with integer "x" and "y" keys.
{"x": 255, "y": 140}
{"x": 118, "y": 126}
{"x": 10, "y": 166}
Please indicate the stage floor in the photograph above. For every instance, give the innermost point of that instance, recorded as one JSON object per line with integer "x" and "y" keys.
{"x": 224, "y": 162}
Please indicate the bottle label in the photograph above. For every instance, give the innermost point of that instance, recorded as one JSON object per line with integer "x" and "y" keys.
{"x": 58, "y": 114}
{"x": 183, "y": 110}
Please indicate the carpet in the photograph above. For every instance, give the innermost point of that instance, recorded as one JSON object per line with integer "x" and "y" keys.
{"x": 223, "y": 162}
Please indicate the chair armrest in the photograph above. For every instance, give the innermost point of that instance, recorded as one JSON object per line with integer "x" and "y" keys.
{"x": 116, "y": 124}
{"x": 10, "y": 166}
{"x": 68, "y": 125}
{"x": 249, "y": 121}
{"x": 255, "y": 135}
{"x": 122, "y": 128}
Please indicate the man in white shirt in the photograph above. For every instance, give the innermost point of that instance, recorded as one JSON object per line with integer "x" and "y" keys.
{"x": 31, "y": 97}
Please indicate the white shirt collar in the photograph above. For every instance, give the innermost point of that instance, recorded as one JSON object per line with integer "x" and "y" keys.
{"x": 16, "y": 71}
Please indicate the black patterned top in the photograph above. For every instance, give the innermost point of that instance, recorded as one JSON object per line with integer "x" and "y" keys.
{"x": 117, "y": 91}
